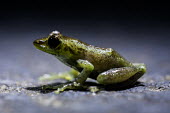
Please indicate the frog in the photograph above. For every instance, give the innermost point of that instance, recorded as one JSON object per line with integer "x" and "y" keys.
{"x": 104, "y": 65}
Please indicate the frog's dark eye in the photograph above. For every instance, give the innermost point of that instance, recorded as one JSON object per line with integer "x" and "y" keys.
{"x": 53, "y": 42}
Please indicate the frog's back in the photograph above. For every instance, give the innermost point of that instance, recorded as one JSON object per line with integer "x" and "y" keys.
{"x": 102, "y": 58}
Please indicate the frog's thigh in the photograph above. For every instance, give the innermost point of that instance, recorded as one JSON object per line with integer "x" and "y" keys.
{"x": 125, "y": 75}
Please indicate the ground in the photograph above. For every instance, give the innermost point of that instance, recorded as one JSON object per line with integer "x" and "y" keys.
{"x": 21, "y": 66}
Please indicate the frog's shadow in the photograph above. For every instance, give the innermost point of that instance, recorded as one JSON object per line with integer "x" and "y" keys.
{"x": 102, "y": 87}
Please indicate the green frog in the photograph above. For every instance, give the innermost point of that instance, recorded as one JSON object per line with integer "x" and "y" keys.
{"x": 104, "y": 65}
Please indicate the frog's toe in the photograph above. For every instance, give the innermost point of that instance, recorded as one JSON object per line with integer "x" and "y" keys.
{"x": 67, "y": 86}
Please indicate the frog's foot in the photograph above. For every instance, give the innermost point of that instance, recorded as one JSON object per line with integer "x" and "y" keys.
{"x": 69, "y": 86}
{"x": 72, "y": 86}
{"x": 65, "y": 86}
{"x": 70, "y": 75}
{"x": 94, "y": 89}
{"x": 63, "y": 75}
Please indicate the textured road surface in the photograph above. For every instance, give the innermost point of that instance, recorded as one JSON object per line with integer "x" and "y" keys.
{"x": 21, "y": 65}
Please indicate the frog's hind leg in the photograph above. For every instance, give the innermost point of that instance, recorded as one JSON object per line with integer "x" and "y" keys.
{"x": 70, "y": 75}
{"x": 122, "y": 77}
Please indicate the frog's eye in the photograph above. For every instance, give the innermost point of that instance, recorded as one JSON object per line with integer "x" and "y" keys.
{"x": 53, "y": 42}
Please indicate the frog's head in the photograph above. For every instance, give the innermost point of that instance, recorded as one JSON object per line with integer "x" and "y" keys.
{"x": 49, "y": 44}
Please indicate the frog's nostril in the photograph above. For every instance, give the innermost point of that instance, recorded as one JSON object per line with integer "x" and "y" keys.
{"x": 39, "y": 42}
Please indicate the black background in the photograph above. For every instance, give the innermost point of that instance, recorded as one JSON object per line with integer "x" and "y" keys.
{"x": 124, "y": 13}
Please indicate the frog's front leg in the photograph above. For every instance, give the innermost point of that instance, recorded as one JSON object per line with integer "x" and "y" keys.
{"x": 81, "y": 78}
{"x": 122, "y": 77}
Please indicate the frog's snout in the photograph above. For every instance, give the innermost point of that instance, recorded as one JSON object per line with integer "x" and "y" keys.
{"x": 38, "y": 42}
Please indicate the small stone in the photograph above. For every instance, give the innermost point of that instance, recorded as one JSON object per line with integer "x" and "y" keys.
{"x": 4, "y": 87}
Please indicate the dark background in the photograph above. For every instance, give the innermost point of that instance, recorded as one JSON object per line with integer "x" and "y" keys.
{"x": 139, "y": 31}
{"x": 30, "y": 14}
